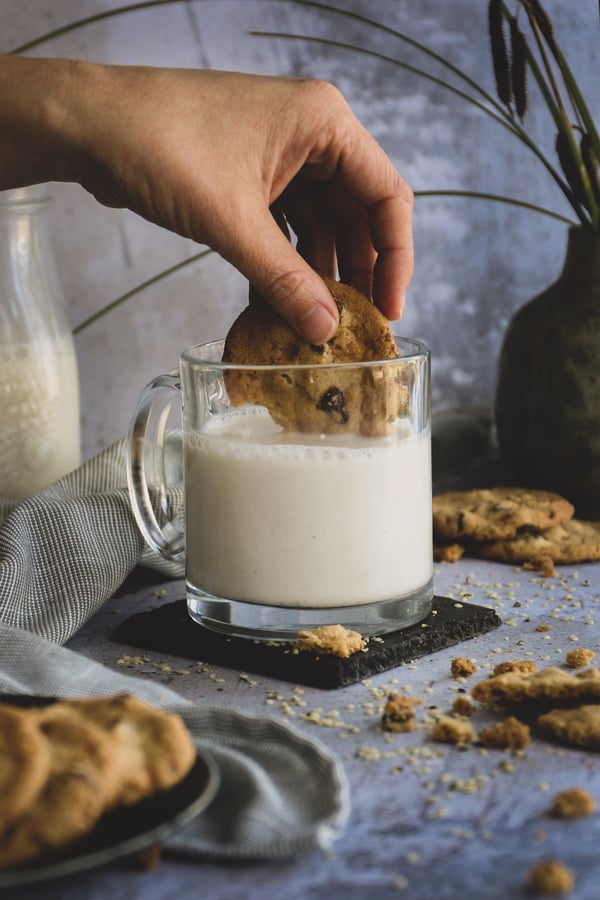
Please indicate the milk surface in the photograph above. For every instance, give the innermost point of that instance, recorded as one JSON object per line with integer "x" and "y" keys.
{"x": 39, "y": 415}
{"x": 298, "y": 520}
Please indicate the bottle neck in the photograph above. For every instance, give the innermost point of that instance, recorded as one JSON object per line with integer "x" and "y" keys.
{"x": 31, "y": 301}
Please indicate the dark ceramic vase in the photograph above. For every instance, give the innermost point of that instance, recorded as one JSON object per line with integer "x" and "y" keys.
{"x": 548, "y": 392}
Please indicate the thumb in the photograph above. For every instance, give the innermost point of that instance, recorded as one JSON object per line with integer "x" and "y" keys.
{"x": 286, "y": 281}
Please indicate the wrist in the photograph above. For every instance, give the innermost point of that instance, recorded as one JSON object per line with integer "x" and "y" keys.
{"x": 39, "y": 120}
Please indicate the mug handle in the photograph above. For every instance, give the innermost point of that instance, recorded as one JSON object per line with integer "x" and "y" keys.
{"x": 146, "y": 467}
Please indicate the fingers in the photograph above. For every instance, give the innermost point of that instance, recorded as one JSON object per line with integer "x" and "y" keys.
{"x": 315, "y": 232}
{"x": 391, "y": 231}
{"x": 370, "y": 207}
{"x": 280, "y": 275}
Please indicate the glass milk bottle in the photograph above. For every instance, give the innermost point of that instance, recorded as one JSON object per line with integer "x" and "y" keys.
{"x": 39, "y": 380}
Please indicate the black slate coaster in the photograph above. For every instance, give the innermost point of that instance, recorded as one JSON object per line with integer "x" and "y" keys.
{"x": 169, "y": 629}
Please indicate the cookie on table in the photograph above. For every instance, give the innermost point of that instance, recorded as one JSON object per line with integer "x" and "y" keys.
{"x": 550, "y": 877}
{"x": 333, "y": 639}
{"x": 315, "y": 399}
{"x": 573, "y": 803}
{"x": 81, "y": 779}
{"x": 544, "y": 688}
{"x": 450, "y": 553}
{"x": 578, "y": 727}
{"x": 490, "y": 514}
{"x": 573, "y": 541}
{"x": 24, "y": 763}
{"x": 153, "y": 749}
{"x": 512, "y": 734}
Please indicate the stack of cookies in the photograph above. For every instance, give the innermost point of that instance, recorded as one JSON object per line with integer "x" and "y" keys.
{"x": 64, "y": 765}
{"x": 533, "y": 528}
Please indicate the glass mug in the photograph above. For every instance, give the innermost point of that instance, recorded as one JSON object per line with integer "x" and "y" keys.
{"x": 287, "y": 530}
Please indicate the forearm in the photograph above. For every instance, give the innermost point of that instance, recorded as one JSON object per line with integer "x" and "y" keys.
{"x": 38, "y": 123}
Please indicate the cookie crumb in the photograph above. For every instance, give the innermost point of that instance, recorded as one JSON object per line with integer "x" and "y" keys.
{"x": 573, "y": 803}
{"x": 453, "y": 730}
{"x": 462, "y": 706}
{"x": 550, "y": 877}
{"x": 542, "y": 564}
{"x": 543, "y": 628}
{"x": 515, "y": 665}
{"x": 461, "y": 667}
{"x": 577, "y": 659}
{"x": 333, "y": 639}
{"x": 399, "y": 713}
{"x": 512, "y": 734}
{"x": 450, "y": 553}
{"x": 148, "y": 859}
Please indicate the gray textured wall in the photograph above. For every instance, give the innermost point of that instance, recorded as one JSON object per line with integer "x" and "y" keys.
{"x": 476, "y": 261}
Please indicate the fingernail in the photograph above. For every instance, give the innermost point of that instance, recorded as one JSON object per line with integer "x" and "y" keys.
{"x": 318, "y": 325}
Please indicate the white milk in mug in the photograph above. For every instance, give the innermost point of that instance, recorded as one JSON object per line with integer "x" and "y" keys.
{"x": 296, "y": 520}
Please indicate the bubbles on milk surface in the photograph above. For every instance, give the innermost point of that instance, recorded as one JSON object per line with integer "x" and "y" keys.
{"x": 250, "y": 431}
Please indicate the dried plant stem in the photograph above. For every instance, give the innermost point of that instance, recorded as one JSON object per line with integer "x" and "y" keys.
{"x": 496, "y": 198}
{"x": 138, "y": 289}
{"x": 502, "y": 117}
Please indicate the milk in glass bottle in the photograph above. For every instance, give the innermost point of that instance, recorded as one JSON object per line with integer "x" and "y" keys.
{"x": 39, "y": 380}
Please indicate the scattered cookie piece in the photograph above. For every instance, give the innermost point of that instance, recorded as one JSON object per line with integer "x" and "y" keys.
{"x": 303, "y": 398}
{"x": 543, "y": 628}
{"x": 148, "y": 859}
{"x": 542, "y": 564}
{"x": 334, "y": 639}
{"x": 515, "y": 665}
{"x": 579, "y": 727}
{"x": 461, "y": 667}
{"x": 497, "y": 513}
{"x": 450, "y": 553}
{"x": 399, "y": 713}
{"x": 573, "y": 803}
{"x": 511, "y": 734}
{"x": 462, "y": 706}
{"x": 550, "y": 877}
{"x": 580, "y": 657}
{"x": 546, "y": 687}
{"x": 453, "y": 730}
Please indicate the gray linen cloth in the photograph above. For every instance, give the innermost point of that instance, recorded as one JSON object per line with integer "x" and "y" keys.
{"x": 63, "y": 553}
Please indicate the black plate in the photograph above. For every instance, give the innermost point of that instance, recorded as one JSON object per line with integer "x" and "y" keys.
{"x": 126, "y": 830}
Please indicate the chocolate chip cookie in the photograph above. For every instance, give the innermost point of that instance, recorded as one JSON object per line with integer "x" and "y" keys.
{"x": 497, "y": 513}
{"x": 307, "y": 395}
{"x": 569, "y": 542}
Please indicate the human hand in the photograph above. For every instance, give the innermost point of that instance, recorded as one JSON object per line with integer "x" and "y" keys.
{"x": 226, "y": 159}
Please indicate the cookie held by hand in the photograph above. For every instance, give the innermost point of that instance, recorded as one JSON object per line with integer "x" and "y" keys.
{"x": 307, "y": 395}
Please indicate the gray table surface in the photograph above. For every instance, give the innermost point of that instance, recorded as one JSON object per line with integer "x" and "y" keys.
{"x": 428, "y": 820}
